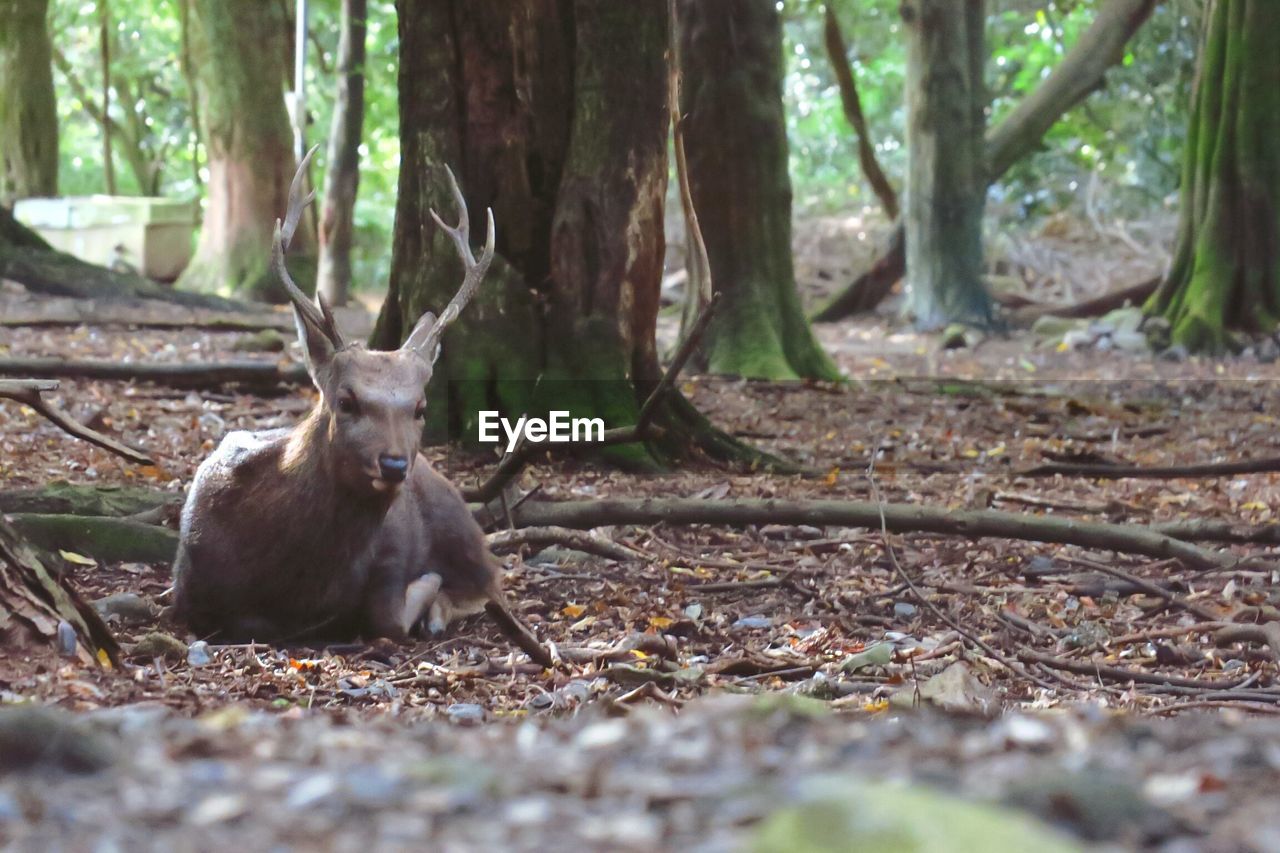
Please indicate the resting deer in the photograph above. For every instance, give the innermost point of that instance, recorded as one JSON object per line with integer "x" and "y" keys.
{"x": 339, "y": 527}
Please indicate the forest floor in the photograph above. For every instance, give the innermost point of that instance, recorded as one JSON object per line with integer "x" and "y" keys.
{"x": 462, "y": 742}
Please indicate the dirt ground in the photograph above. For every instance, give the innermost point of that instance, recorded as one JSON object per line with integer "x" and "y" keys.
{"x": 628, "y": 744}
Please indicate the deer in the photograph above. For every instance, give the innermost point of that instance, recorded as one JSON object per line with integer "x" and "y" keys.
{"x": 338, "y": 527}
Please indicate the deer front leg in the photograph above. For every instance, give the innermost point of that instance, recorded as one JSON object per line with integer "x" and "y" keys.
{"x": 393, "y": 607}
{"x": 423, "y": 593}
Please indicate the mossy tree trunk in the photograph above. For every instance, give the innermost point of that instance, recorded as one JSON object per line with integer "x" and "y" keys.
{"x": 1226, "y": 269}
{"x": 946, "y": 162}
{"x": 239, "y": 55}
{"x": 553, "y": 113}
{"x": 731, "y": 65}
{"x": 342, "y": 179}
{"x": 28, "y": 110}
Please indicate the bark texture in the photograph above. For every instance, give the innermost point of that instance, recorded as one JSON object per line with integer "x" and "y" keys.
{"x": 28, "y": 111}
{"x": 337, "y": 214}
{"x": 37, "y": 607}
{"x": 1081, "y": 71}
{"x": 239, "y": 51}
{"x": 946, "y": 169}
{"x": 1226, "y": 269}
{"x": 554, "y": 114}
{"x": 736, "y": 143}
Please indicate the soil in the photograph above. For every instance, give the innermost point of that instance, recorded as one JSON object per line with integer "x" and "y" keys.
{"x": 465, "y": 744}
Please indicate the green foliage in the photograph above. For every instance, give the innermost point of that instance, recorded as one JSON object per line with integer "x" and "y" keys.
{"x": 1125, "y": 141}
{"x": 150, "y": 92}
{"x": 1129, "y": 135}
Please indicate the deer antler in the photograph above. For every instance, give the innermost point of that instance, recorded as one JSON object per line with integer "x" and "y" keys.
{"x": 475, "y": 269}
{"x": 318, "y": 313}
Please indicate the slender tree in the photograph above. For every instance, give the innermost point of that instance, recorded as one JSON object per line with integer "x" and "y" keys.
{"x": 1226, "y": 269}
{"x": 946, "y": 169}
{"x": 553, "y": 113}
{"x": 736, "y": 141}
{"x": 342, "y": 179}
{"x": 1082, "y": 70}
{"x": 28, "y": 111}
{"x": 238, "y": 54}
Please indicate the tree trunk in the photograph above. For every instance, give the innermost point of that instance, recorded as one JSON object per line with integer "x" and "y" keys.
{"x": 28, "y": 109}
{"x": 1080, "y": 72}
{"x": 736, "y": 142}
{"x": 553, "y": 113}
{"x": 946, "y": 180}
{"x": 238, "y": 52}
{"x": 333, "y": 276}
{"x": 1226, "y": 269}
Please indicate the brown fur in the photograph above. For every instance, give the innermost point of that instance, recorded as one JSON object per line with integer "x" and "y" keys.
{"x": 339, "y": 527}
{"x": 291, "y": 533}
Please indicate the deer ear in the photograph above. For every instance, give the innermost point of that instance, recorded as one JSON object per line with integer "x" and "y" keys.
{"x": 418, "y": 339}
{"x": 317, "y": 349}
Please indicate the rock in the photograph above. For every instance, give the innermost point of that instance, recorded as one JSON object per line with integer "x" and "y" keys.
{"x": 1126, "y": 320}
{"x": 837, "y": 813}
{"x": 557, "y": 556}
{"x": 66, "y": 641}
{"x": 877, "y": 655}
{"x": 266, "y": 340}
{"x": 198, "y": 654}
{"x": 1131, "y": 342}
{"x": 466, "y": 713}
{"x": 753, "y": 622}
{"x": 1177, "y": 352}
{"x": 128, "y": 608}
{"x": 904, "y": 610}
{"x": 960, "y": 336}
{"x": 955, "y": 690}
{"x": 1051, "y": 329}
{"x": 158, "y": 644}
{"x": 1077, "y": 339}
{"x": 37, "y": 738}
{"x": 1094, "y": 804}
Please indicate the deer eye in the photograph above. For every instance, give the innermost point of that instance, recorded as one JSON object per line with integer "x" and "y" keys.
{"x": 420, "y": 413}
{"x": 348, "y": 405}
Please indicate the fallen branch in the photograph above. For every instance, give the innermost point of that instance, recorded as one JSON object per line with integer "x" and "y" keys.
{"x": 510, "y": 540}
{"x": 25, "y": 257}
{"x": 1268, "y": 634}
{"x": 65, "y": 498}
{"x": 109, "y": 540}
{"x": 139, "y": 314}
{"x": 1134, "y": 294}
{"x": 1220, "y": 531}
{"x": 513, "y": 463}
{"x": 1123, "y": 676}
{"x": 899, "y": 518}
{"x": 699, "y": 288}
{"x": 1143, "y": 472}
{"x": 184, "y": 375}
{"x": 1148, "y": 587}
{"x": 27, "y": 392}
{"x": 1081, "y": 71}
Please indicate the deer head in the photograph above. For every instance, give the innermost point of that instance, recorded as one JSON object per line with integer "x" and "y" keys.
{"x": 368, "y": 422}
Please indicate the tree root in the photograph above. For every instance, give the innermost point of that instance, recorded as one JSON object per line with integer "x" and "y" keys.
{"x": 898, "y": 518}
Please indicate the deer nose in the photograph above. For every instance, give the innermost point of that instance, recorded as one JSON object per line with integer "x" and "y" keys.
{"x": 393, "y": 468}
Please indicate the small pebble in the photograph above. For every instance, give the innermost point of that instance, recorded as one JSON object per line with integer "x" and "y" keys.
{"x": 904, "y": 610}
{"x": 198, "y": 654}
{"x": 753, "y": 622}
{"x": 66, "y": 639}
{"x": 466, "y": 713}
